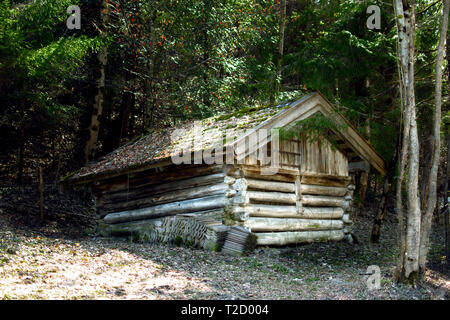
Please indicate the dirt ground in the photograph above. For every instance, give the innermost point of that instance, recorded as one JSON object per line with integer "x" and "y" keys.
{"x": 46, "y": 261}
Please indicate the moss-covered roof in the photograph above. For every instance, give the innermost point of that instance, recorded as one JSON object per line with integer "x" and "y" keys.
{"x": 161, "y": 145}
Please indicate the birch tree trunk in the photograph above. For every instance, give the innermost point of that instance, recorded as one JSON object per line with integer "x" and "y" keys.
{"x": 432, "y": 177}
{"x": 447, "y": 133}
{"x": 446, "y": 209}
{"x": 408, "y": 266}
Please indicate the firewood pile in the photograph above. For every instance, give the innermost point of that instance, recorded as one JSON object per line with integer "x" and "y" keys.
{"x": 196, "y": 231}
{"x": 239, "y": 241}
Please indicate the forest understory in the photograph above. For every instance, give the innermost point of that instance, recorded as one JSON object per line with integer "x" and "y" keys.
{"x": 59, "y": 259}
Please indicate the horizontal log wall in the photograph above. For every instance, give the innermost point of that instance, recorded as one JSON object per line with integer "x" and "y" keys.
{"x": 198, "y": 189}
{"x": 159, "y": 188}
{"x": 168, "y": 185}
{"x": 151, "y": 199}
{"x": 269, "y": 206}
{"x": 321, "y": 218}
{"x": 152, "y": 176}
{"x": 280, "y": 208}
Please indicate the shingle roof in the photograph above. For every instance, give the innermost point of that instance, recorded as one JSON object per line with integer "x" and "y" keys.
{"x": 162, "y": 144}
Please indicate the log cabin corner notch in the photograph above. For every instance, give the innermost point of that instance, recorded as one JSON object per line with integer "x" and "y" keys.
{"x": 138, "y": 188}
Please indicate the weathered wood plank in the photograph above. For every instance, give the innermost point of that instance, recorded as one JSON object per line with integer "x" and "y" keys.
{"x": 276, "y": 197}
{"x": 273, "y": 177}
{"x": 258, "y": 224}
{"x": 177, "y": 195}
{"x": 261, "y": 210}
{"x": 322, "y": 213}
{"x": 147, "y": 178}
{"x": 283, "y": 238}
{"x": 325, "y": 180}
{"x": 162, "y": 188}
{"x": 322, "y": 201}
{"x": 323, "y": 190}
{"x": 128, "y": 228}
{"x": 257, "y": 169}
{"x": 270, "y": 185}
{"x": 298, "y": 195}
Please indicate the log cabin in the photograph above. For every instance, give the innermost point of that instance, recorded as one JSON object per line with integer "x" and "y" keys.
{"x": 206, "y": 181}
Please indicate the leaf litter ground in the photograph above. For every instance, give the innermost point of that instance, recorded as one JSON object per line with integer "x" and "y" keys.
{"x": 47, "y": 261}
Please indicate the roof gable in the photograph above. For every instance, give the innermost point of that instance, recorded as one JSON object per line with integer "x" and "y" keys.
{"x": 307, "y": 107}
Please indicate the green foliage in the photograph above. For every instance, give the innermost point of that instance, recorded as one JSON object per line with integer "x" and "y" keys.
{"x": 190, "y": 59}
{"x": 59, "y": 58}
{"x": 178, "y": 241}
{"x": 36, "y": 54}
{"x": 312, "y": 129}
{"x": 202, "y": 57}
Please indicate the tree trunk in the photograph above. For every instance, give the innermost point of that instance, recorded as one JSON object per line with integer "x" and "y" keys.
{"x": 148, "y": 81}
{"x": 90, "y": 147}
{"x": 363, "y": 182}
{"x": 41, "y": 192}
{"x": 20, "y": 158}
{"x": 206, "y": 54}
{"x": 446, "y": 210}
{"x": 364, "y": 177}
{"x": 124, "y": 115}
{"x": 381, "y": 213}
{"x": 148, "y": 96}
{"x": 432, "y": 181}
{"x": 408, "y": 266}
{"x": 280, "y": 52}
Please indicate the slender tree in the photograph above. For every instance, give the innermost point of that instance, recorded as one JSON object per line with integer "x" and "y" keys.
{"x": 94, "y": 126}
{"x": 280, "y": 52}
{"x": 430, "y": 206}
{"x": 408, "y": 266}
{"x": 446, "y": 210}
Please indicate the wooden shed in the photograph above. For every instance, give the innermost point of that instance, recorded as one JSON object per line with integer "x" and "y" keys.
{"x": 301, "y": 195}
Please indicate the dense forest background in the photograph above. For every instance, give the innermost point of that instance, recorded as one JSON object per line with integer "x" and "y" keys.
{"x": 168, "y": 61}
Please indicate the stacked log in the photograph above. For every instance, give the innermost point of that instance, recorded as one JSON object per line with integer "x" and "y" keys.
{"x": 257, "y": 224}
{"x": 215, "y": 237}
{"x": 147, "y": 195}
{"x": 263, "y": 209}
{"x": 272, "y": 211}
{"x": 239, "y": 241}
{"x": 347, "y": 213}
{"x": 155, "y": 176}
{"x": 284, "y": 238}
{"x": 289, "y": 207}
{"x": 172, "y": 208}
{"x": 188, "y": 210}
